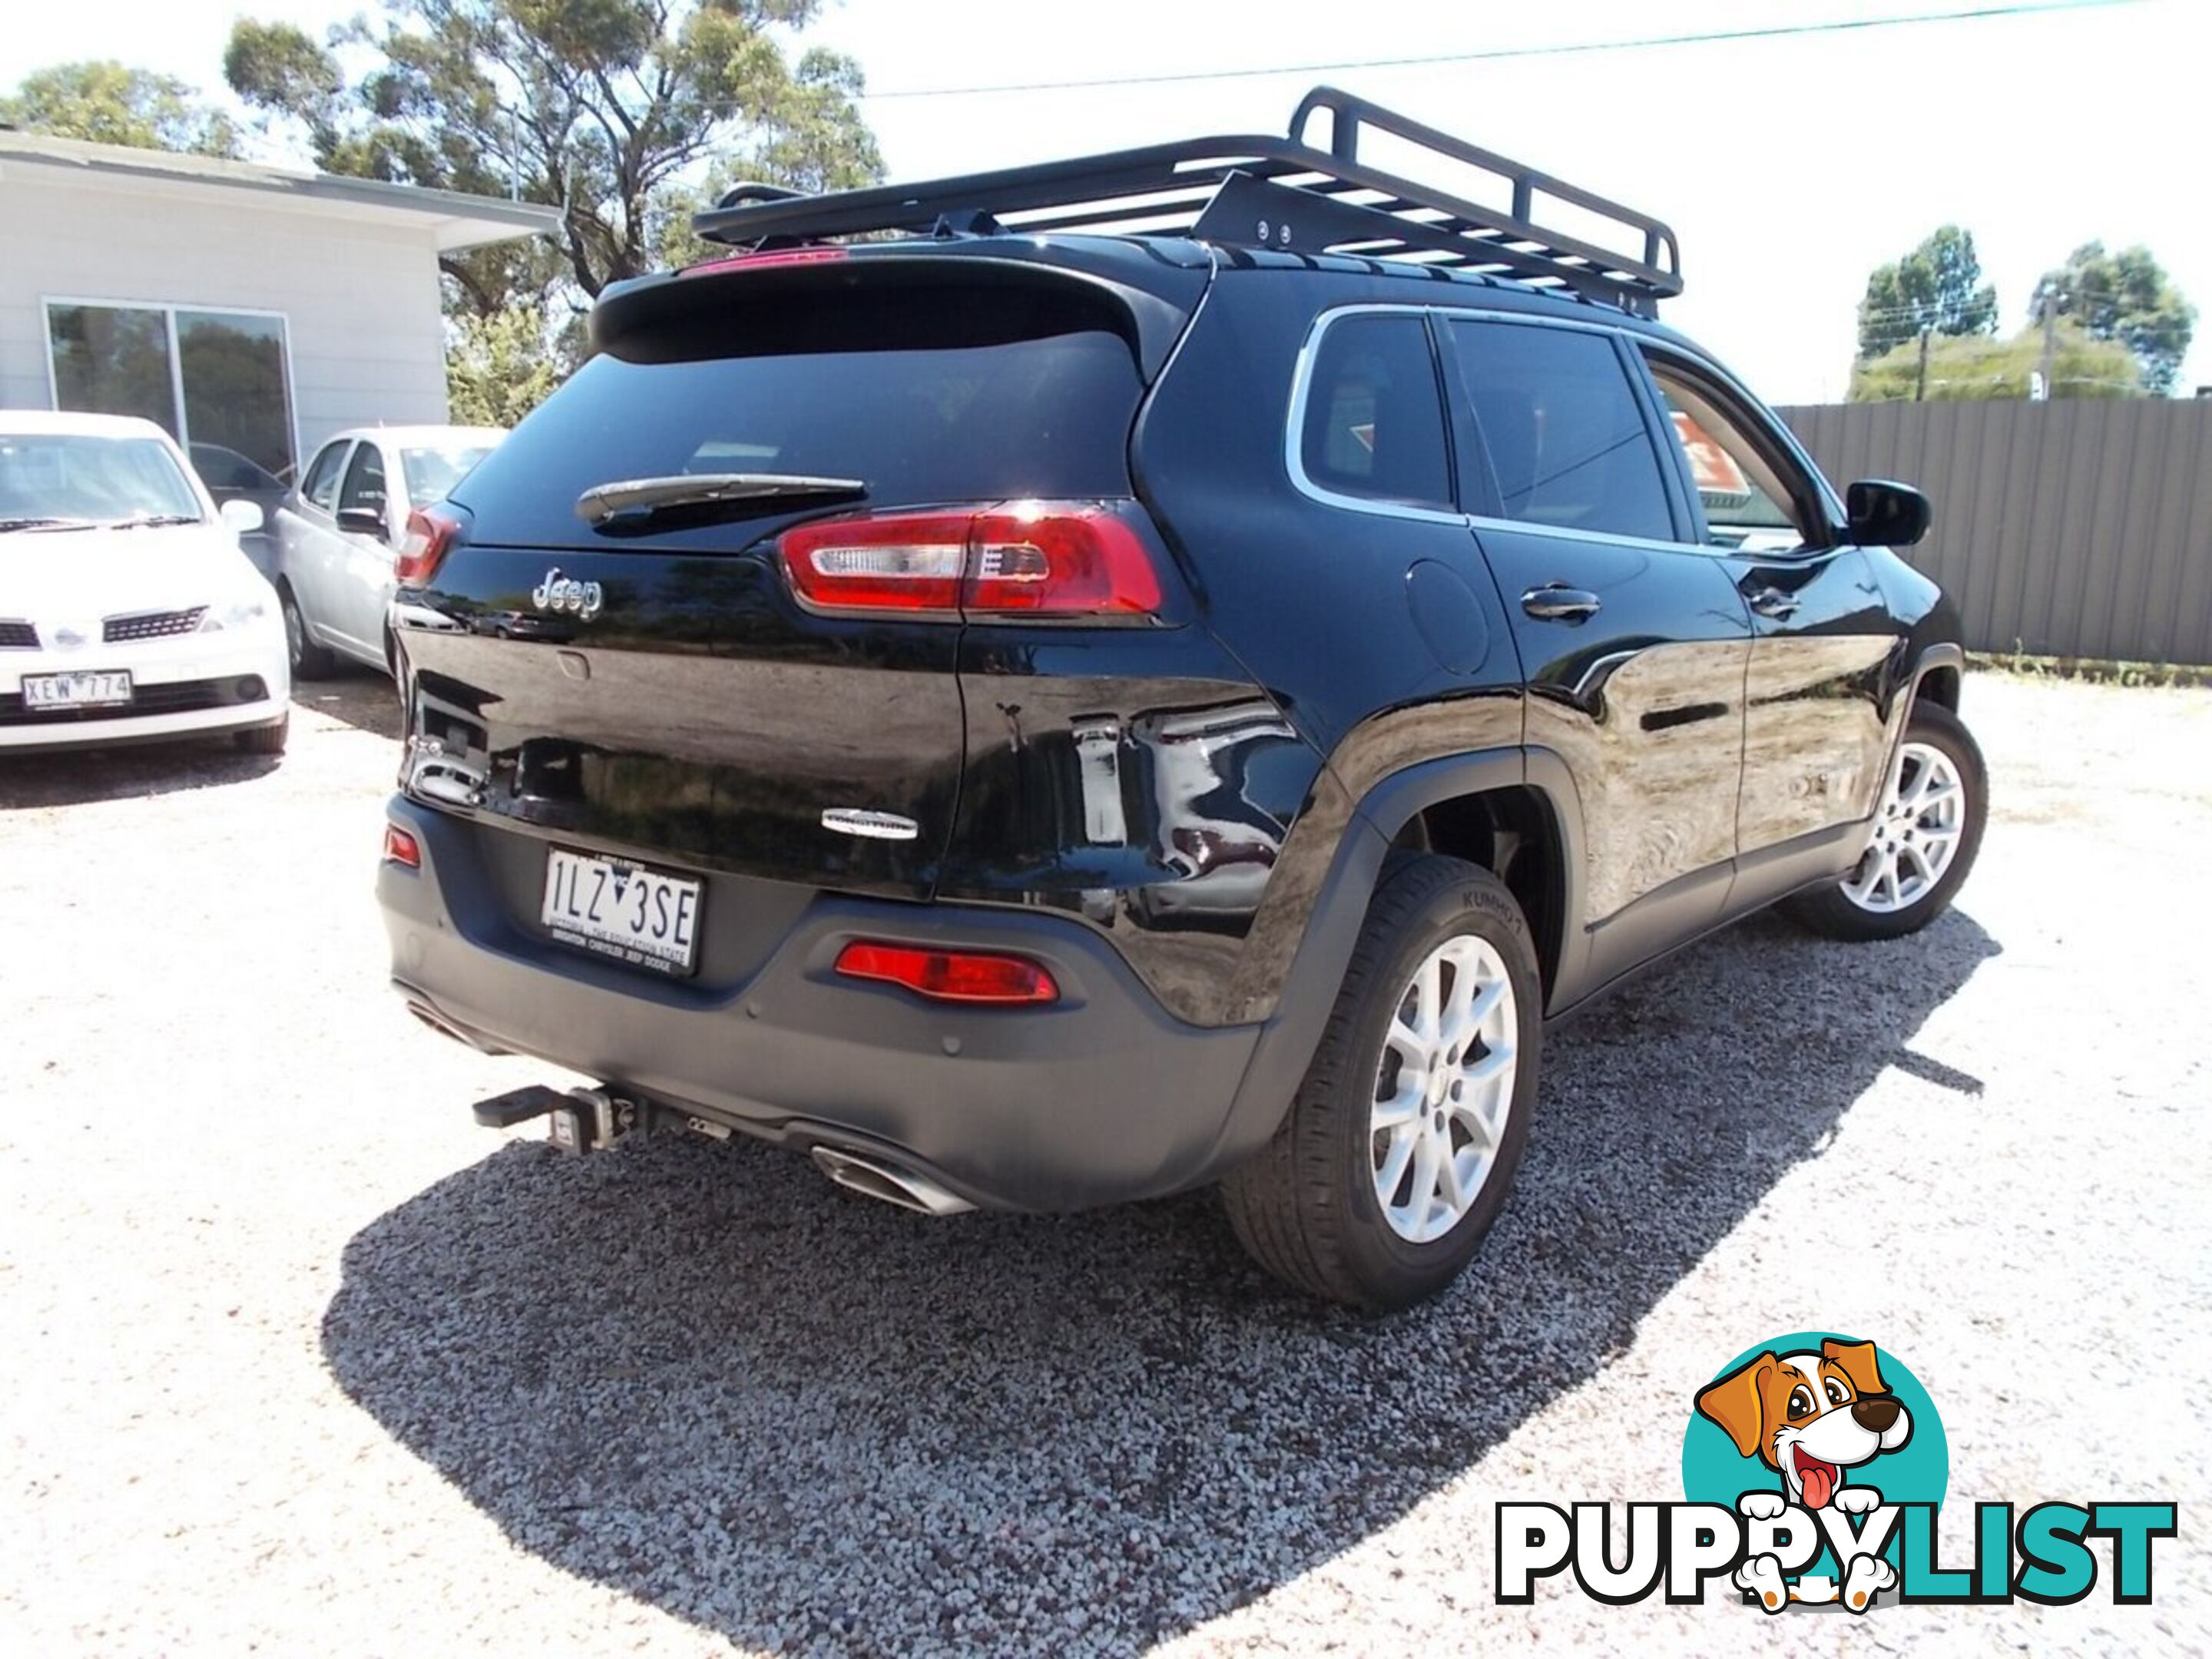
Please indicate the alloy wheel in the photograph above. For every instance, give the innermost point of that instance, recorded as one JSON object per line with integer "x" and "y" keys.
{"x": 1444, "y": 1088}
{"x": 1915, "y": 835}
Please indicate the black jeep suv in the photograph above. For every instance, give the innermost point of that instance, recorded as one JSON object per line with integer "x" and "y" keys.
{"x": 1063, "y": 685}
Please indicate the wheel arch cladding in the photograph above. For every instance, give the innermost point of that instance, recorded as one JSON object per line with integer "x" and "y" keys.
{"x": 1511, "y": 779}
{"x": 1522, "y": 802}
{"x": 1937, "y": 679}
{"x": 1512, "y": 830}
{"x": 1533, "y": 782}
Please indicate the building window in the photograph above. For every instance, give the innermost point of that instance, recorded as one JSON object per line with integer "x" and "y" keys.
{"x": 214, "y": 380}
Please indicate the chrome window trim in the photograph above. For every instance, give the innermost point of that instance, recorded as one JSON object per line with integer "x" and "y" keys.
{"x": 1699, "y": 362}
{"x": 1529, "y": 319}
{"x": 1531, "y": 527}
{"x": 1295, "y": 429}
{"x": 1536, "y": 527}
{"x": 1301, "y": 375}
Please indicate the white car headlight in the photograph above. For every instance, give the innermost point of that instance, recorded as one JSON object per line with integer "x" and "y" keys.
{"x": 236, "y": 614}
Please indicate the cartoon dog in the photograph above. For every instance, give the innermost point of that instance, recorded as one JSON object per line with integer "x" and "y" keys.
{"x": 1809, "y": 1417}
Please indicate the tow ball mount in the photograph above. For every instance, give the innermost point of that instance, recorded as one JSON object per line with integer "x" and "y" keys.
{"x": 581, "y": 1120}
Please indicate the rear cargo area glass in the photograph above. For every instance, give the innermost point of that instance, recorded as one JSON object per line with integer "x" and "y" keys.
{"x": 945, "y": 396}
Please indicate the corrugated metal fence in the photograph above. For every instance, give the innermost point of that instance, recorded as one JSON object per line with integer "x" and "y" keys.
{"x": 2069, "y": 529}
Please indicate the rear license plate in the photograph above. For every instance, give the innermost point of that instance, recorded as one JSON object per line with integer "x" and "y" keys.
{"x": 645, "y": 918}
{"x": 78, "y": 690}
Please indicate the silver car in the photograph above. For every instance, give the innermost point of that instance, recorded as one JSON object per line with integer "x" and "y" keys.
{"x": 337, "y": 532}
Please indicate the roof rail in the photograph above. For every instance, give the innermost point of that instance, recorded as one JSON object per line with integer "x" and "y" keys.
{"x": 1248, "y": 192}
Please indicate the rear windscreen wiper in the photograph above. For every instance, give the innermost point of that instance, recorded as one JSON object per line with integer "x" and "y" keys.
{"x": 634, "y": 499}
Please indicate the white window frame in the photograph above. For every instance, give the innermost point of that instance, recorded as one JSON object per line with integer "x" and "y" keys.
{"x": 169, "y": 309}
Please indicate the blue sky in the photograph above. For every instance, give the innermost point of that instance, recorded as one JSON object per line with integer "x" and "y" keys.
{"x": 1790, "y": 168}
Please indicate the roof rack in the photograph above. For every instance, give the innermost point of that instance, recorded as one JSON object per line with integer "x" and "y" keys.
{"x": 1250, "y": 192}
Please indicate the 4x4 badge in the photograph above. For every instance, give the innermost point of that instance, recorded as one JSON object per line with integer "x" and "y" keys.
{"x": 560, "y": 593}
{"x": 875, "y": 826}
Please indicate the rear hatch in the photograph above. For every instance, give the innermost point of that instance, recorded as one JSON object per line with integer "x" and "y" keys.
{"x": 633, "y": 673}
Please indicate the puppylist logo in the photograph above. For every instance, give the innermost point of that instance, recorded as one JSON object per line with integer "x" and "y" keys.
{"x": 1813, "y": 1467}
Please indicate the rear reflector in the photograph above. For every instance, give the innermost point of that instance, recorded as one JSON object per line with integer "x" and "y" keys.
{"x": 401, "y": 847}
{"x": 976, "y": 977}
{"x": 430, "y": 531}
{"x": 1044, "y": 559}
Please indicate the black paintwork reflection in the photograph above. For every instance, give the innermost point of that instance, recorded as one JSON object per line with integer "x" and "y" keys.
{"x": 1314, "y": 605}
{"x": 1919, "y": 608}
{"x": 1819, "y": 719}
{"x": 1643, "y": 700}
{"x": 714, "y": 724}
{"x": 513, "y": 625}
{"x": 1135, "y": 780}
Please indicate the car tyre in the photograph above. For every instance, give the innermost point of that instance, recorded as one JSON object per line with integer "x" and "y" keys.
{"x": 309, "y": 661}
{"x": 1311, "y": 1207}
{"x": 1937, "y": 750}
{"x": 264, "y": 739}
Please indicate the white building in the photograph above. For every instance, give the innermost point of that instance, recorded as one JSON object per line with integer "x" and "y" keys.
{"x": 251, "y": 310}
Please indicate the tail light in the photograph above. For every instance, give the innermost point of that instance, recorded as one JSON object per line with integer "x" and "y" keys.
{"x": 1045, "y": 559}
{"x": 430, "y": 531}
{"x": 400, "y": 846}
{"x": 973, "y": 976}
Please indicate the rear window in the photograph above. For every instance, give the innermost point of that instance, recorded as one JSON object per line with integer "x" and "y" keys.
{"x": 989, "y": 396}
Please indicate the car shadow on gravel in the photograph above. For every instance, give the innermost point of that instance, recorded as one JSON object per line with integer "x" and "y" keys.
{"x": 74, "y": 777}
{"x": 698, "y": 1374}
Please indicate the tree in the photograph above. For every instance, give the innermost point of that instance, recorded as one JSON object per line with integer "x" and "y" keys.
{"x": 2128, "y": 297}
{"x": 108, "y": 103}
{"x": 1937, "y": 288}
{"x": 499, "y": 368}
{"x": 616, "y": 112}
{"x": 1976, "y": 367}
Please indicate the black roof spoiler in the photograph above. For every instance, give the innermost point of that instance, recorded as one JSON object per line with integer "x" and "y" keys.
{"x": 1247, "y": 191}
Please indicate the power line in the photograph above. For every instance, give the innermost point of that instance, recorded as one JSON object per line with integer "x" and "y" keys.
{"x": 1498, "y": 54}
{"x": 1912, "y": 314}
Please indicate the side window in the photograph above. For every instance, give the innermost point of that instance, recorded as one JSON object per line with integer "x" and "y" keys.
{"x": 1374, "y": 421}
{"x": 1750, "y": 504}
{"x": 1566, "y": 434}
{"x": 364, "y": 480}
{"x": 322, "y": 485}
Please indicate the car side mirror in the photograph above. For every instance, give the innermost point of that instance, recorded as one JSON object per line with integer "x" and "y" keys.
{"x": 1886, "y": 514}
{"x": 362, "y": 521}
{"x": 241, "y": 518}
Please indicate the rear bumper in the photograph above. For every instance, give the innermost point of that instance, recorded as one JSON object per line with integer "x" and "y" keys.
{"x": 1101, "y": 1098}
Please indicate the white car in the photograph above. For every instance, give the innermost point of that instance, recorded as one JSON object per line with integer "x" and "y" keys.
{"x": 127, "y": 611}
{"x": 337, "y": 533}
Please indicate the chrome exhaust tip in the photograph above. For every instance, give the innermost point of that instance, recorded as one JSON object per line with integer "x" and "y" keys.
{"x": 873, "y": 1178}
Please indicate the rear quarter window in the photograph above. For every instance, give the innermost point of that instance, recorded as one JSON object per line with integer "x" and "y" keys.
{"x": 1373, "y": 422}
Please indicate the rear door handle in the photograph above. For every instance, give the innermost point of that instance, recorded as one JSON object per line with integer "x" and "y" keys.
{"x": 1773, "y": 602}
{"x": 1556, "y": 602}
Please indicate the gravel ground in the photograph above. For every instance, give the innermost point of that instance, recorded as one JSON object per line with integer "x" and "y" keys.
{"x": 297, "y": 1359}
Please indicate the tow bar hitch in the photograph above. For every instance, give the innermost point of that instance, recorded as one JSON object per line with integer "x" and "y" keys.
{"x": 582, "y": 1120}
